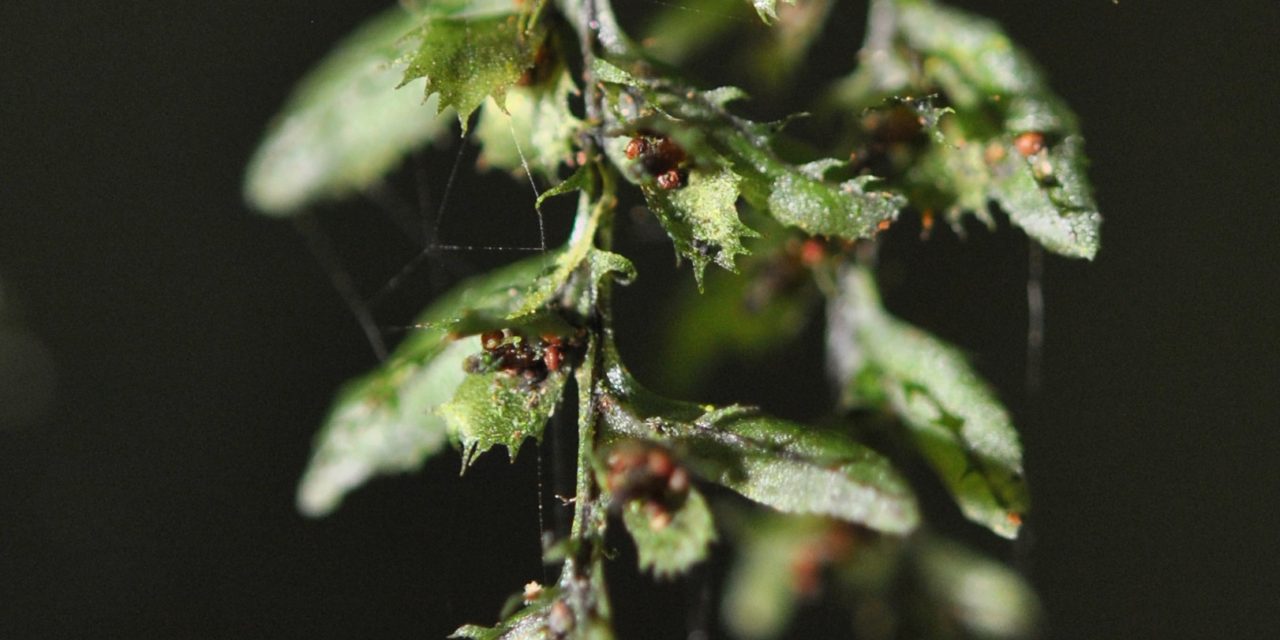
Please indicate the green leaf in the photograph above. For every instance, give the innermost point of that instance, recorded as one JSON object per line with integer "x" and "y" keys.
{"x": 955, "y": 421}
{"x": 702, "y": 218}
{"x": 795, "y": 195}
{"x": 495, "y": 408}
{"x": 469, "y": 51}
{"x": 998, "y": 101}
{"x": 374, "y": 429}
{"x": 986, "y": 598}
{"x": 530, "y": 622}
{"x": 385, "y": 421}
{"x": 848, "y": 210}
{"x": 1057, "y": 210}
{"x": 579, "y": 250}
{"x": 538, "y": 128}
{"x": 674, "y": 548}
{"x": 784, "y": 465}
{"x": 574, "y": 609}
{"x": 345, "y": 126}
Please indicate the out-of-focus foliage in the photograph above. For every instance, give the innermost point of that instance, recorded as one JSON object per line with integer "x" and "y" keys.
{"x": 345, "y": 126}
{"x": 954, "y": 420}
{"x": 957, "y": 116}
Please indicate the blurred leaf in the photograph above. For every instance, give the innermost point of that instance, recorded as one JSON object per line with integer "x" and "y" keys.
{"x": 537, "y": 124}
{"x": 942, "y": 589}
{"x": 702, "y": 219}
{"x": 956, "y": 423}
{"x": 986, "y": 598}
{"x": 345, "y": 126}
{"x": 472, "y": 50}
{"x": 385, "y": 421}
{"x": 501, "y": 408}
{"x": 674, "y": 548}
{"x": 777, "y": 57}
{"x": 1008, "y": 138}
{"x": 748, "y": 315}
{"x": 674, "y": 32}
{"x": 762, "y": 588}
{"x": 784, "y": 465}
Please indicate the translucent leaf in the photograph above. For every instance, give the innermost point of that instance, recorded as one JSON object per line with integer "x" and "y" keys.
{"x": 1008, "y": 138}
{"x": 702, "y": 218}
{"x": 923, "y": 586}
{"x": 784, "y": 465}
{"x": 345, "y": 126}
{"x": 679, "y": 544}
{"x": 538, "y": 127}
{"x": 385, "y": 422}
{"x": 986, "y": 598}
{"x": 469, "y": 51}
{"x": 957, "y": 424}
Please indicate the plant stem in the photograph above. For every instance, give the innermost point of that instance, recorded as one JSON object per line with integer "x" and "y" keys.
{"x": 583, "y": 575}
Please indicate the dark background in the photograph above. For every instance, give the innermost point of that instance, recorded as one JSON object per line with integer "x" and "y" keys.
{"x": 195, "y": 346}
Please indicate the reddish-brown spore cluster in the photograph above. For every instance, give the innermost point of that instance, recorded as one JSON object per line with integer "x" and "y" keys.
{"x": 515, "y": 355}
{"x": 650, "y": 474}
{"x": 660, "y": 157}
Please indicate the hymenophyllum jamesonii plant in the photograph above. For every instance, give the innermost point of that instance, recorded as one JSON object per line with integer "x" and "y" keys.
{"x": 939, "y": 115}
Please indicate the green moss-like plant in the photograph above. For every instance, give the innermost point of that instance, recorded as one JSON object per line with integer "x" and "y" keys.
{"x": 940, "y": 114}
